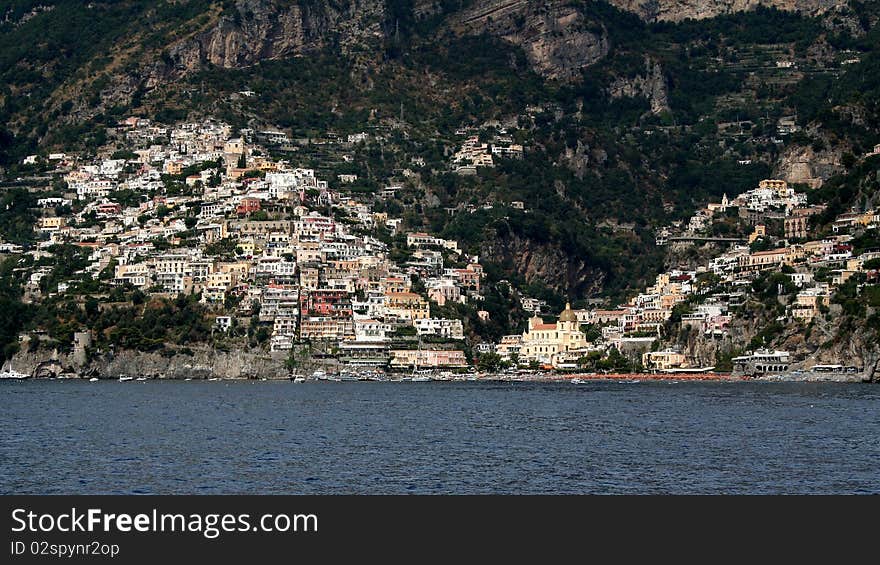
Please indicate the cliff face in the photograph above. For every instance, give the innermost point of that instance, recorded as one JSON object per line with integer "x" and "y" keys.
{"x": 545, "y": 263}
{"x": 820, "y": 344}
{"x": 677, "y": 10}
{"x": 557, "y": 39}
{"x": 805, "y": 165}
{"x": 651, "y": 86}
{"x": 267, "y": 29}
{"x": 203, "y": 363}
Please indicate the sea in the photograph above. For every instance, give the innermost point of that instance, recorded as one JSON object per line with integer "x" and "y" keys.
{"x": 264, "y": 437}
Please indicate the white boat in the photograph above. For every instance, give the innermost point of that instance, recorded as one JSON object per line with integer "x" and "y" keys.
{"x": 125, "y": 379}
{"x": 93, "y": 380}
{"x": 577, "y": 381}
{"x": 141, "y": 379}
{"x": 422, "y": 376}
{"x": 11, "y": 373}
{"x": 299, "y": 380}
{"x": 319, "y": 374}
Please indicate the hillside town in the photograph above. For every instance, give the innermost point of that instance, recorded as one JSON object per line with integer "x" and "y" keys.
{"x": 271, "y": 249}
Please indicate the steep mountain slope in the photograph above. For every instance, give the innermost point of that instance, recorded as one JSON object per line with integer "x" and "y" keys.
{"x": 627, "y": 124}
{"x": 678, "y": 10}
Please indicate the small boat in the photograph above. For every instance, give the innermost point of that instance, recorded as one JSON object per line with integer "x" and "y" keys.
{"x": 299, "y": 380}
{"x": 421, "y": 376}
{"x": 141, "y": 379}
{"x": 93, "y": 380}
{"x": 12, "y": 374}
{"x": 577, "y": 381}
{"x": 125, "y": 379}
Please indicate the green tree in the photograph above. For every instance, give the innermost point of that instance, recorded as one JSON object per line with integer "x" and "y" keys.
{"x": 489, "y": 362}
{"x": 297, "y": 358}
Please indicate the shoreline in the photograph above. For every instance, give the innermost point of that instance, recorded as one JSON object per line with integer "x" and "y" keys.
{"x": 207, "y": 364}
{"x": 572, "y": 378}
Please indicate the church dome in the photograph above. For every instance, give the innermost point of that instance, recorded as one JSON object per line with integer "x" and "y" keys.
{"x": 567, "y": 314}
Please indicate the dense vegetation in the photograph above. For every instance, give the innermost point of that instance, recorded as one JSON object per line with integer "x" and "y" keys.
{"x": 15, "y": 314}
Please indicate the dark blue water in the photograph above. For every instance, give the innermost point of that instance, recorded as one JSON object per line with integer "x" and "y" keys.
{"x": 264, "y": 437}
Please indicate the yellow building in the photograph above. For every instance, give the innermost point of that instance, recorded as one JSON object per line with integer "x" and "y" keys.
{"x": 760, "y": 231}
{"x": 807, "y": 305}
{"x": 780, "y": 187}
{"x": 248, "y": 247}
{"x": 406, "y": 305}
{"x": 663, "y": 360}
{"x": 173, "y": 167}
{"x": 51, "y": 224}
{"x": 547, "y": 343}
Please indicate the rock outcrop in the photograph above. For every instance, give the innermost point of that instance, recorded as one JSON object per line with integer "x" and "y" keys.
{"x": 651, "y": 86}
{"x": 545, "y": 263}
{"x": 198, "y": 363}
{"x": 678, "y": 10}
{"x": 805, "y": 165}
{"x": 831, "y": 339}
{"x": 265, "y": 29}
{"x": 557, "y": 38}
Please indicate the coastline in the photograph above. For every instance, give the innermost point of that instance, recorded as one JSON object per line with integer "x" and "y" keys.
{"x": 571, "y": 378}
{"x": 205, "y": 363}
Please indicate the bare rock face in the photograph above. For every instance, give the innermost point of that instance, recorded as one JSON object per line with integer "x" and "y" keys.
{"x": 544, "y": 263}
{"x": 203, "y": 363}
{"x": 265, "y": 29}
{"x": 556, "y": 38}
{"x": 805, "y": 165}
{"x": 651, "y": 85}
{"x": 577, "y": 159}
{"x": 678, "y": 10}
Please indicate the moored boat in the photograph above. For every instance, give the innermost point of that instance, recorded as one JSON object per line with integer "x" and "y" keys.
{"x": 12, "y": 374}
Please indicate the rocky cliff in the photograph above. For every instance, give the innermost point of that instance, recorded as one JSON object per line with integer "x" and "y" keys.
{"x": 823, "y": 342}
{"x": 544, "y": 263}
{"x": 267, "y": 29}
{"x": 651, "y": 86}
{"x": 557, "y": 38}
{"x": 198, "y": 363}
{"x": 241, "y": 35}
{"x": 677, "y": 10}
{"x": 806, "y": 165}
